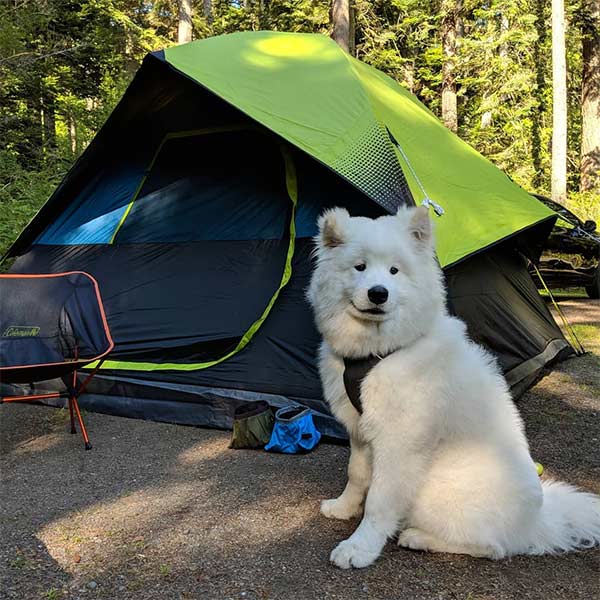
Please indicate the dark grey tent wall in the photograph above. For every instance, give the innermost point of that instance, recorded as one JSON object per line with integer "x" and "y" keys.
{"x": 495, "y": 295}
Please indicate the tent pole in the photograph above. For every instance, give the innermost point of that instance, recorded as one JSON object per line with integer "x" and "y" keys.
{"x": 578, "y": 346}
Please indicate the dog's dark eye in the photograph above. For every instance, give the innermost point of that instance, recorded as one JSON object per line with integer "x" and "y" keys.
{"x": 360, "y": 267}
{"x": 393, "y": 270}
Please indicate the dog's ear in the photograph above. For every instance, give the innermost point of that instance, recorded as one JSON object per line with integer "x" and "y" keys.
{"x": 331, "y": 227}
{"x": 419, "y": 226}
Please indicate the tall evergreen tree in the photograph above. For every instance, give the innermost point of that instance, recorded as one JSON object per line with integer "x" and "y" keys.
{"x": 207, "y": 10}
{"x": 184, "y": 26}
{"x": 341, "y": 24}
{"x": 559, "y": 103}
{"x": 450, "y": 33}
{"x": 590, "y": 97}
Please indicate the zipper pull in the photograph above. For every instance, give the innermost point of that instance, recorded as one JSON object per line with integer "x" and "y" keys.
{"x": 437, "y": 209}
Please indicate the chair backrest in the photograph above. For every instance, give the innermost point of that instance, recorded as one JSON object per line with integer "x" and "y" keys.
{"x": 50, "y": 324}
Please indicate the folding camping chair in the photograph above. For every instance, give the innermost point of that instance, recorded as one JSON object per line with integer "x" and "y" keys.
{"x": 51, "y": 326}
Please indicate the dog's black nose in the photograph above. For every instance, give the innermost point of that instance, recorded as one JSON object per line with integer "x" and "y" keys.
{"x": 378, "y": 294}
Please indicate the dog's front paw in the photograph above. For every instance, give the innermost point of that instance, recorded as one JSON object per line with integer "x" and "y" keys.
{"x": 338, "y": 509}
{"x": 413, "y": 538}
{"x": 347, "y": 554}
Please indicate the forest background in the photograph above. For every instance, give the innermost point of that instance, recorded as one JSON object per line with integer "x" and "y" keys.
{"x": 517, "y": 79}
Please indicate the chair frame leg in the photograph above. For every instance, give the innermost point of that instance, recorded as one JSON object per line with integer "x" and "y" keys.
{"x": 73, "y": 430}
{"x": 86, "y": 439}
{"x": 73, "y": 392}
{"x": 76, "y": 392}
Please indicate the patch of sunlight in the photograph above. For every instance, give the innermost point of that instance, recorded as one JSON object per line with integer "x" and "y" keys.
{"x": 576, "y": 382}
{"x": 100, "y": 227}
{"x": 92, "y": 526}
{"x": 39, "y": 444}
{"x": 587, "y": 333}
{"x": 203, "y": 450}
{"x": 557, "y": 378}
{"x": 589, "y": 336}
{"x": 565, "y": 293}
{"x": 262, "y": 61}
{"x": 169, "y": 516}
{"x": 274, "y": 53}
{"x": 298, "y": 47}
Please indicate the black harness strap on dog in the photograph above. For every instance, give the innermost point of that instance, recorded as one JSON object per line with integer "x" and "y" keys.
{"x": 356, "y": 369}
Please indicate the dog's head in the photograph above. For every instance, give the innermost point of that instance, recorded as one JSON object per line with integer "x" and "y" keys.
{"x": 376, "y": 284}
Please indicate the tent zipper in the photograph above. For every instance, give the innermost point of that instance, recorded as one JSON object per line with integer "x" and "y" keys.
{"x": 437, "y": 209}
{"x": 427, "y": 201}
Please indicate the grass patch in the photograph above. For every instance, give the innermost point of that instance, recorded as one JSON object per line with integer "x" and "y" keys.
{"x": 589, "y": 336}
{"x": 21, "y": 562}
{"x": 585, "y": 332}
{"x": 565, "y": 293}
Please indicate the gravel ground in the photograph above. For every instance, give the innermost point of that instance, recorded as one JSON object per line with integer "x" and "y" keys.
{"x": 159, "y": 511}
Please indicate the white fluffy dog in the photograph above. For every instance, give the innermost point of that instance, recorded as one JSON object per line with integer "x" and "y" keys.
{"x": 439, "y": 450}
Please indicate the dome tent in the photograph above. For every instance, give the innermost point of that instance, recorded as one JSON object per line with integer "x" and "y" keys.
{"x": 195, "y": 205}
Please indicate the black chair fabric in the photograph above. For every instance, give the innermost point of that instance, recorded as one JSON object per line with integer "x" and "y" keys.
{"x": 50, "y": 325}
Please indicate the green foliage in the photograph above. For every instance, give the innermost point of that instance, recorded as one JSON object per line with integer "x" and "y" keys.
{"x": 497, "y": 76}
{"x": 503, "y": 73}
{"x": 586, "y": 205}
{"x": 64, "y": 64}
{"x": 22, "y": 193}
{"x": 400, "y": 37}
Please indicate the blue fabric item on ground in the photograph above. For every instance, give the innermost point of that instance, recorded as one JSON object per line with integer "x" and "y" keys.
{"x": 294, "y": 431}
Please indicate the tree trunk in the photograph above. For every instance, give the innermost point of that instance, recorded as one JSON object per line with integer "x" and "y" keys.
{"x": 184, "y": 28}
{"x": 451, "y": 27}
{"x": 559, "y": 103}
{"x": 538, "y": 111}
{"x": 30, "y": 146}
{"x": 590, "y": 98}
{"x": 487, "y": 116}
{"x": 207, "y": 10}
{"x": 352, "y": 37}
{"x": 408, "y": 71}
{"x": 73, "y": 141}
{"x": 342, "y": 23}
{"x": 49, "y": 121}
{"x": 264, "y": 21}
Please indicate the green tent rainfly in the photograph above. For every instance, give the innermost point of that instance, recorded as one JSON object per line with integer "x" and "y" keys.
{"x": 195, "y": 206}
{"x": 336, "y": 108}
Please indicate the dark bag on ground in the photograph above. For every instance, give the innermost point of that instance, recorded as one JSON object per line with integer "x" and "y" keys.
{"x": 252, "y": 425}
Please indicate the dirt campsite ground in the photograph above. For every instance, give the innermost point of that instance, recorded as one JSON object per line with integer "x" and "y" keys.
{"x": 159, "y": 511}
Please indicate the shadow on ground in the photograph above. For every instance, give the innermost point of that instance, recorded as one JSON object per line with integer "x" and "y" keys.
{"x": 159, "y": 511}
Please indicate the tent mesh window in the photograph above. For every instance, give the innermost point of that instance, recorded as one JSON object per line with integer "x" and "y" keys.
{"x": 371, "y": 164}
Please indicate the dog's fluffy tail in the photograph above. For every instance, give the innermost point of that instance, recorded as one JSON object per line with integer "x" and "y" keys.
{"x": 569, "y": 519}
